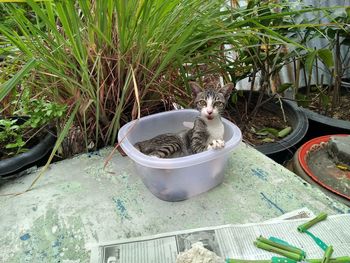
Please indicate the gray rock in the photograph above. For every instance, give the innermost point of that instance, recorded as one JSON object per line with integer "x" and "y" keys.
{"x": 339, "y": 149}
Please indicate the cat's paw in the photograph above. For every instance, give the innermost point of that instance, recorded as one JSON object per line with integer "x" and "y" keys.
{"x": 216, "y": 144}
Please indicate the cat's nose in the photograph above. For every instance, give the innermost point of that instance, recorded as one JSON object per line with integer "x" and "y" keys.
{"x": 209, "y": 112}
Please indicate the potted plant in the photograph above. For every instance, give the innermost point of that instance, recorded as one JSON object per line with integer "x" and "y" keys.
{"x": 110, "y": 61}
{"x": 268, "y": 122}
{"x": 28, "y": 134}
{"x": 107, "y": 72}
{"x": 325, "y": 96}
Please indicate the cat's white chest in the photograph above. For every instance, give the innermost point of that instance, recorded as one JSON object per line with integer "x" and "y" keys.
{"x": 216, "y": 130}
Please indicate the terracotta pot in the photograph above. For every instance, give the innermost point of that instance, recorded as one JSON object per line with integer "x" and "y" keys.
{"x": 303, "y": 166}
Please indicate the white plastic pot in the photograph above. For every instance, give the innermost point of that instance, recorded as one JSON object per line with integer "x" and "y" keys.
{"x": 177, "y": 178}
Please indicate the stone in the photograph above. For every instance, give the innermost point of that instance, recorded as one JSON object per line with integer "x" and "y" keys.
{"x": 339, "y": 149}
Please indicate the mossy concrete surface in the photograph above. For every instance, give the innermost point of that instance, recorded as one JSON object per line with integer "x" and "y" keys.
{"x": 78, "y": 203}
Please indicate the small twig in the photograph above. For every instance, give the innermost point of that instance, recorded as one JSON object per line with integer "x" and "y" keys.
{"x": 282, "y": 109}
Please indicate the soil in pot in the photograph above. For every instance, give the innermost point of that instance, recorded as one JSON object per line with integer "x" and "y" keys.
{"x": 321, "y": 103}
{"x": 264, "y": 126}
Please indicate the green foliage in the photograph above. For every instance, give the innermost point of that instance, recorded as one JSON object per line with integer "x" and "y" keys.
{"x": 323, "y": 93}
{"x": 35, "y": 114}
{"x": 10, "y": 84}
{"x": 86, "y": 50}
{"x": 326, "y": 57}
{"x": 40, "y": 110}
{"x": 324, "y": 54}
{"x": 11, "y": 136}
{"x": 271, "y": 134}
{"x": 97, "y": 54}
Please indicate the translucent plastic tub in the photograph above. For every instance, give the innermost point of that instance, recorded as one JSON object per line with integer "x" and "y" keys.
{"x": 177, "y": 178}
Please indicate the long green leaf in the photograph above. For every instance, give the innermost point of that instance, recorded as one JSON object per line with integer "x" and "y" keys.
{"x": 309, "y": 61}
{"x": 17, "y": 78}
{"x": 326, "y": 56}
{"x": 58, "y": 143}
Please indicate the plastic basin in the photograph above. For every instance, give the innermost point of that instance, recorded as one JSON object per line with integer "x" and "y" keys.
{"x": 176, "y": 179}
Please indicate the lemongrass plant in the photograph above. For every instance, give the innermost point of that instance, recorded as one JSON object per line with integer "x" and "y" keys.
{"x": 84, "y": 52}
{"x": 94, "y": 55}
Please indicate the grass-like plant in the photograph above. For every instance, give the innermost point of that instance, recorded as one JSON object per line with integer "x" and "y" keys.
{"x": 86, "y": 53}
{"x": 112, "y": 61}
{"x": 95, "y": 56}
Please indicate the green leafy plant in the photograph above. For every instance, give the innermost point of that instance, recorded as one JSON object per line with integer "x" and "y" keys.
{"x": 39, "y": 110}
{"x": 88, "y": 53}
{"x": 11, "y": 137}
{"x": 264, "y": 55}
{"x": 325, "y": 68}
{"x": 32, "y": 117}
{"x": 95, "y": 56}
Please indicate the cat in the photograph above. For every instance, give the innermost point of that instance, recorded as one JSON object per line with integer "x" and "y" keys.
{"x": 207, "y": 132}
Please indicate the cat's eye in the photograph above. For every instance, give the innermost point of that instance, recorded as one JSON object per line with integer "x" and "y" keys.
{"x": 218, "y": 104}
{"x": 202, "y": 103}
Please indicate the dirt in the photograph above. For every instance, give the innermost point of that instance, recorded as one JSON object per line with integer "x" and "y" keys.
{"x": 341, "y": 110}
{"x": 265, "y": 118}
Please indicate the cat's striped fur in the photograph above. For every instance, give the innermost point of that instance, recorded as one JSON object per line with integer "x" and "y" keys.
{"x": 207, "y": 131}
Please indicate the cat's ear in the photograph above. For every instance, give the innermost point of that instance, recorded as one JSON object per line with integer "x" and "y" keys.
{"x": 196, "y": 88}
{"x": 226, "y": 90}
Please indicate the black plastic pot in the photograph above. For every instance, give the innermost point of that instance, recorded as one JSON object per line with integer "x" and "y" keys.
{"x": 23, "y": 161}
{"x": 282, "y": 150}
{"x": 320, "y": 125}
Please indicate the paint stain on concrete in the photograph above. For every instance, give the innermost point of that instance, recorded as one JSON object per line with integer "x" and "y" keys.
{"x": 25, "y": 237}
{"x": 271, "y": 203}
{"x": 94, "y": 153}
{"x": 260, "y": 173}
{"x": 121, "y": 209}
{"x": 65, "y": 244}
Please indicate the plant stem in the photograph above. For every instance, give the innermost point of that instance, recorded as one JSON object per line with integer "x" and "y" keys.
{"x": 288, "y": 254}
{"x": 338, "y": 70}
{"x": 281, "y": 246}
{"x": 322, "y": 216}
{"x": 327, "y": 254}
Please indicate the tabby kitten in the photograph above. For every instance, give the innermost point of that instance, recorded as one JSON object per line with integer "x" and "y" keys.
{"x": 207, "y": 132}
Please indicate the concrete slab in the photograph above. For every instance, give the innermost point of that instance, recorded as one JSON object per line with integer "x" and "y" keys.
{"x": 78, "y": 203}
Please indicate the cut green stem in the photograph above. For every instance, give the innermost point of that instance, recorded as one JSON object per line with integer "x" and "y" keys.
{"x": 288, "y": 254}
{"x": 327, "y": 254}
{"x": 282, "y": 246}
{"x": 345, "y": 259}
{"x": 246, "y": 261}
{"x": 322, "y": 216}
